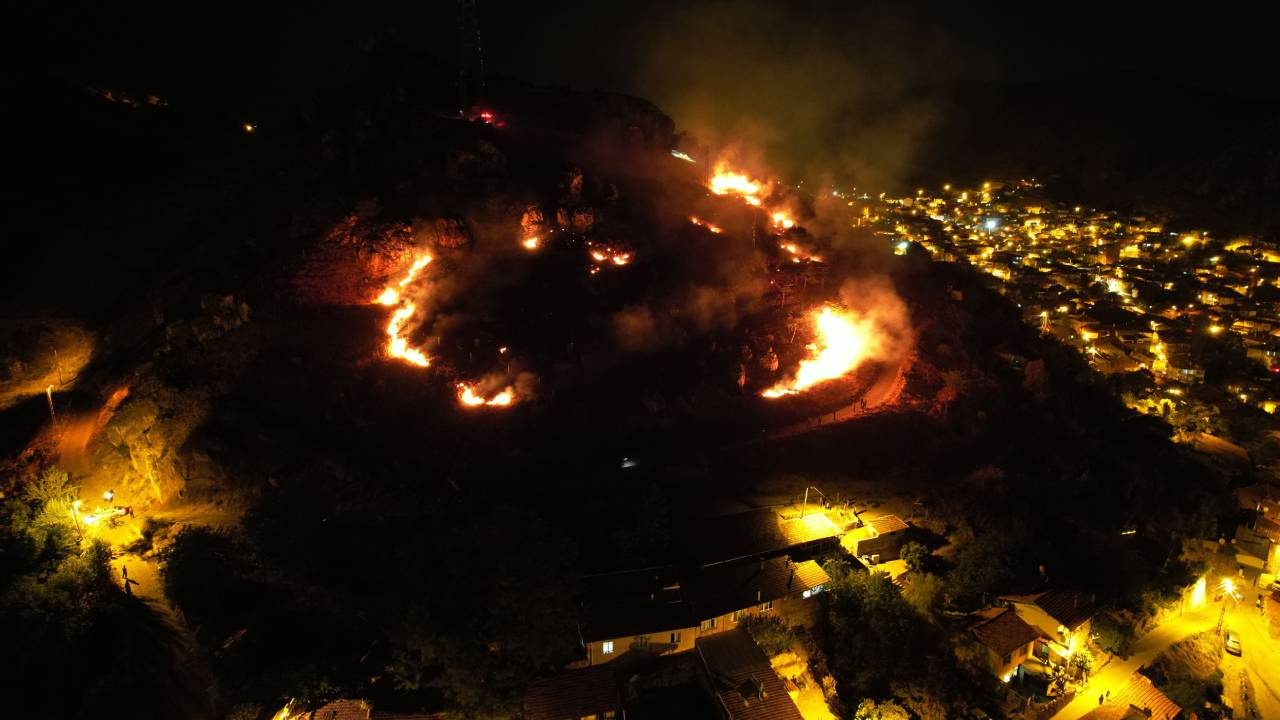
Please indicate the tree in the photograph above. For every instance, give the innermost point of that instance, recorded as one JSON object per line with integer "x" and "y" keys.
{"x": 770, "y": 632}
{"x": 1083, "y": 661}
{"x": 924, "y": 592}
{"x": 1113, "y": 635}
{"x": 885, "y": 710}
{"x": 916, "y": 556}
{"x": 483, "y": 653}
{"x": 875, "y": 635}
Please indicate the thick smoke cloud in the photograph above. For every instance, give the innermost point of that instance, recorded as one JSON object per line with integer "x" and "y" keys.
{"x": 824, "y": 91}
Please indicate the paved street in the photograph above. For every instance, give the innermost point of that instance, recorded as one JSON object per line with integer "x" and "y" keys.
{"x": 1260, "y": 657}
{"x": 1116, "y": 674}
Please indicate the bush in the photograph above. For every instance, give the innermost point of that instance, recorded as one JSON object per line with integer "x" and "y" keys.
{"x": 916, "y": 556}
{"x": 1114, "y": 636}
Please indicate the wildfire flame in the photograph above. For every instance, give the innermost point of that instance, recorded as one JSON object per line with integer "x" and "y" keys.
{"x": 397, "y": 343}
{"x": 712, "y": 227}
{"x": 728, "y": 182}
{"x": 840, "y": 347}
{"x": 531, "y": 243}
{"x": 605, "y": 254}
{"x": 783, "y": 220}
{"x": 468, "y": 396}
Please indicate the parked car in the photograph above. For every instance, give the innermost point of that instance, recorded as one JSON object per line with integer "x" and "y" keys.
{"x": 1232, "y": 643}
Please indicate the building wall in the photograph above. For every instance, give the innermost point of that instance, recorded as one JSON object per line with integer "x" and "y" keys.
{"x": 1004, "y": 669}
{"x": 794, "y": 609}
{"x": 1066, "y": 642}
{"x": 886, "y": 546}
{"x": 654, "y": 642}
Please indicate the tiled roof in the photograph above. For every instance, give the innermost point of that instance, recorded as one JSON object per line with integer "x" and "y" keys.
{"x": 342, "y": 710}
{"x": 753, "y": 534}
{"x": 723, "y": 589}
{"x": 1141, "y": 694}
{"x": 1004, "y": 633}
{"x": 1267, "y": 528}
{"x": 1067, "y": 607}
{"x": 573, "y": 694}
{"x": 742, "y": 679}
{"x": 886, "y": 524}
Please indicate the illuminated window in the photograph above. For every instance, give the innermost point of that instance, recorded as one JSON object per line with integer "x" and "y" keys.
{"x": 708, "y": 624}
{"x": 675, "y": 638}
{"x": 737, "y": 615}
{"x": 766, "y": 606}
{"x": 606, "y": 647}
{"x": 610, "y": 715}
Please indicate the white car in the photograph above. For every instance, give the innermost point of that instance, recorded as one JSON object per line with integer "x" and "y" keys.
{"x": 1232, "y": 643}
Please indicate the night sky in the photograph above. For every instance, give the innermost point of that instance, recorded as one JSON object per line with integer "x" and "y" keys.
{"x": 246, "y": 48}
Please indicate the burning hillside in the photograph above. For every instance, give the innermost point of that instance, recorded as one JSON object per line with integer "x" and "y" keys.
{"x": 448, "y": 310}
{"x": 549, "y": 264}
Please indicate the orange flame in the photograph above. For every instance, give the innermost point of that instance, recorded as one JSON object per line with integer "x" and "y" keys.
{"x": 468, "y": 396}
{"x": 531, "y": 243}
{"x": 699, "y": 221}
{"x": 727, "y": 182}
{"x": 841, "y": 346}
{"x": 603, "y": 254}
{"x": 397, "y": 343}
{"x": 783, "y": 220}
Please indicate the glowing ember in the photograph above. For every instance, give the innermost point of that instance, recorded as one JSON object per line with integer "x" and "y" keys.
{"x": 397, "y": 343}
{"x": 683, "y": 156}
{"x": 783, "y": 220}
{"x": 608, "y": 254}
{"x": 468, "y": 396}
{"x": 531, "y": 243}
{"x": 713, "y": 228}
{"x": 841, "y": 345}
{"x": 797, "y": 254}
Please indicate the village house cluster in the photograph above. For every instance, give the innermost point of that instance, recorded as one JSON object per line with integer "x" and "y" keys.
{"x": 1128, "y": 292}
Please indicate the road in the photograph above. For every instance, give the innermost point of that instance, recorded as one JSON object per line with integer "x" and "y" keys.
{"x": 1259, "y": 657}
{"x": 884, "y": 390}
{"x": 1116, "y": 674}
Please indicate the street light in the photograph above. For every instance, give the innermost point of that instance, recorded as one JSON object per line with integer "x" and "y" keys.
{"x": 805, "y": 507}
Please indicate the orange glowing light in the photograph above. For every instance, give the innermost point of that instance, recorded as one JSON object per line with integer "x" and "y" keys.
{"x": 397, "y": 343}
{"x": 841, "y": 346}
{"x": 783, "y": 220}
{"x": 728, "y": 182}
{"x": 468, "y": 396}
{"x": 713, "y": 228}
{"x": 531, "y": 243}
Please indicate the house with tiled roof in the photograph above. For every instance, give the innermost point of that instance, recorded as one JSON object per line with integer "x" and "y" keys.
{"x": 1064, "y": 617}
{"x": 342, "y": 710}
{"x": 1137, "y": 700}
{"x": 655, "y": 611}
{"x": 1006, "y": 639}
{"x": 743, "y": 682}
{"x": 881, "y": 536}
{"x": 591, "y": 692}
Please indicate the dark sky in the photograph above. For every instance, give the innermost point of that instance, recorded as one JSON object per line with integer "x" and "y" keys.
{"x": 819, "y": 88}
{"x": 1222, "y": 46}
